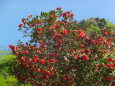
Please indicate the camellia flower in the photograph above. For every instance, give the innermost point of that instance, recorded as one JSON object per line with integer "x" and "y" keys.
{"x": 46, "y": 72}
{"x": 69, "y": 82}
{"x": 26, "y": 51}
{"x": 82, "y": 46}
{"x": 52, "y": 60}
{"x": 82, "y": 34}
{"x": 110, "y": 66}
{"x": 59, "y": 43}
{"x": 93, "y": 41}
{"x": 38, "y": 70}
{"x": 40, "y": 29}
{"x": 16, "y": 53}
{"x": 30, "y": 16}
{"x": 109, "y": 59}
{"x": 34, "y": 48}
{"x": 57, "y": 26}
{"x": 65, "y": 32}
{"x": 46, "y": 76}
{"x": 41, "y": 61}
{"x": 85, "y": 58}
{"x": 113, "y": 84}
{"x": 105, "y": 33}
{"x": 58, "y": 8}
{"x": 23, "y": 78}
{"x": 23, "y": 20}
{"x": 23, "y": 59}
{"x": 20, "y": 25}
{"x": 52, "y": 54}
{"x": 11, "y": 46}
{"x": 76, "y": 56}
{"x": 57, "y": 36}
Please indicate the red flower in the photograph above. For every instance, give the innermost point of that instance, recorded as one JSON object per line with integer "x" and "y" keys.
{"x": 93, "y": 41}
{"x": 20, "y": 25}
{"x": 21, "y": 52}
{"x": 107, "y": 78}
{"x": 58, "y": 8}
{"x": 57, "y": 36}
{"x": 52, "y": 60}
{"x": 69, "y": 82}
{"x": 23, "y": 20}
{"x": 30, "y": 61}
{"x": 82, "y": 46}
{"x": 43, "y": 57}
{"x": 76, "y": 21}
{"x": 52, "y": 54}
{"x": 40, "y": 29}
{"x": 110, "y": 66}
{"x": 41, "y": 61}
{"x": 74, "y": 31}
{"x": 24, "y": 23}
{"x": 42, "y": 45}
{"x": 113, "y": 84}
{"x": 35, "y": 60}
{"x": 46, "y": 76}
{"x": 57, "y": 26}
{"x": 85, "y": 58}
{"x": 82, "y": 34}
{"x": 23, "y": 59}
{"x": 105, "y": 33}
{"x": 98, "y": 65}
{"x": 59, "y": 43}
{"x": 35, "y": 57}
{"x": 38, "y": 33}
{"x": 12, "y": 47}
{"x": 65, "y": 32}
{"x": 68, "y": 77}
{"x": 38, "y": 70}
{"x": 68, "y": 12}
{"x": 109, "y": 59}
{"x": 102, "y": 39}
{"x": 24, "y": 78}
{"x": 111, "y": 33}
{"x": 34, "y": 47}
{"x": 16, "y": 53}
{"x": 30, "y": 16}
{"x": 46, "y": 72}
{"x": 76, "y": 57}
{"x": 26, "y": 52}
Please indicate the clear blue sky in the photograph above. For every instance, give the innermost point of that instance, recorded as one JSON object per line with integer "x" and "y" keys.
{"x": 12, "y": 11}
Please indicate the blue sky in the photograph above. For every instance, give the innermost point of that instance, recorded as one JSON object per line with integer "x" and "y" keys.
{"x": 12, "y": 11}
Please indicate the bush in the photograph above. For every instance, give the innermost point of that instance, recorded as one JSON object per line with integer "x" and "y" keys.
{"x": 5, "y": 78}
{"x": 66, "y": 55}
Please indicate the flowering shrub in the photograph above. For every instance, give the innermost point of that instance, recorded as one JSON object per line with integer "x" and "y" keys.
{"x": 60, "y": 54}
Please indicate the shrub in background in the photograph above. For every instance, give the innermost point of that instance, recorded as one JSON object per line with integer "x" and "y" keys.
{"x": 5, "y": 78}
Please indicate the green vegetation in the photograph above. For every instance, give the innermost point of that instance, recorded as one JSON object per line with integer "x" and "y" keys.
{"x": 6, "y": 79}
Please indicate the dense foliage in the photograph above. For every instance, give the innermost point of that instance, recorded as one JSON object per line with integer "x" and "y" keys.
{"x": 5, "y": 78}
{"x": 62, "y": 54}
